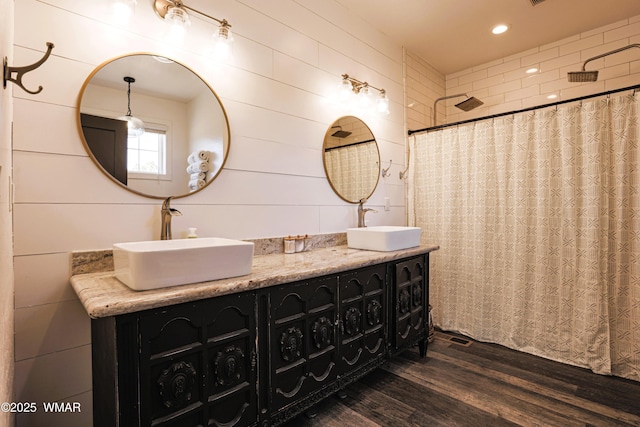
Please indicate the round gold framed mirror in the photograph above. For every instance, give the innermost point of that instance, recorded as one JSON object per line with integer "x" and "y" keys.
{"x": 183, "y": 140}
{"x": 351, "y": 159}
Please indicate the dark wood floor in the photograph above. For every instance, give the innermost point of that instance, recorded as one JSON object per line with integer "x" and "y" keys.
{"x": 480, "y": 384}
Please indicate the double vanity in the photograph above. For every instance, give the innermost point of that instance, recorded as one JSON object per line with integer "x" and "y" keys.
{"x": 257, "y": 349}
{"x": 211, "y": 331}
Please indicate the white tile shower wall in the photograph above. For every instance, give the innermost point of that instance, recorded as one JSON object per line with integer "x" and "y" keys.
{"x": 6, "y": 241}
{"x": 424, "y": 84}
{"x": 277, "y": 91}
{"x": 504, "y": 86}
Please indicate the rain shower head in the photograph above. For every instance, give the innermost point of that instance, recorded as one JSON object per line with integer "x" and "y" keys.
{"x": 340, "y": 133}
{"x": 469, "y": 104}
{"x": 591, "y": 76}
{"x": 582, "y": 76}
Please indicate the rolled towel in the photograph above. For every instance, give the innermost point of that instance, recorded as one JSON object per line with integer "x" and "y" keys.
{"x": 196, "y": 184}
{"x": 198, "y": 156}
{"x": 198, "y": 167}
{"x": 196, "y": 176}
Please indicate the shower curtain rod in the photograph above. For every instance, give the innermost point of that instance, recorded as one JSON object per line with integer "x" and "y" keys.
{"x": 553, "y": 104}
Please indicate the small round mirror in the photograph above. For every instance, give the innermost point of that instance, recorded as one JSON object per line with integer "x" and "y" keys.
{"x": 153, "y": 126}
{"x": 351, "y": 159}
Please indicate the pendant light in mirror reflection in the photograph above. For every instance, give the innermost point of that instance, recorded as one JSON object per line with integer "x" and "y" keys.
{"x": 175, "y": 13}
{"x": 135, "y": 126}
{"x": 362, "y": 97}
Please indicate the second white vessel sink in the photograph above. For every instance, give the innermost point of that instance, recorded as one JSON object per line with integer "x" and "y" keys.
{"x": 383, "y": 238}
{"x": 162, "y": 263}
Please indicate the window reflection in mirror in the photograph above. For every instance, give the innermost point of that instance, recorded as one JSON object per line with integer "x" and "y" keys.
{"x": 351, "y": 159}
{"x": 182, "y": 115}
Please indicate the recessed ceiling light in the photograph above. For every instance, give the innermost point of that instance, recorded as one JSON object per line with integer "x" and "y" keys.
{"x": 499, "y": 29}
{"x": 532, "y": 70}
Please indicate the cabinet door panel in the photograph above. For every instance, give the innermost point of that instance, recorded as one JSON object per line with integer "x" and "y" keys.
{"x": 303, "y": 339}
{"x": 410, "y": 302}
{"x": 362, "y": 317}
{"x": 197, "y": 363}
{"x": 231, "y": 360}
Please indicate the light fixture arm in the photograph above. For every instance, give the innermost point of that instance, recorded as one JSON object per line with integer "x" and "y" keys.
{"x": 162, "y": 6}
{"x": 357, "y": 85}
{"x": 608, "y": 53}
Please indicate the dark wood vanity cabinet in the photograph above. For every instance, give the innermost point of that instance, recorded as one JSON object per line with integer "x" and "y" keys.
{"x": 257, "y": 357}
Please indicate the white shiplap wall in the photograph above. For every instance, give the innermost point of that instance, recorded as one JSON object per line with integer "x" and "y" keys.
{"x": 277, "y": 91}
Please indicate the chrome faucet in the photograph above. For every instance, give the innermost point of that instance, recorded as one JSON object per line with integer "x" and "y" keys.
{"x": 361, "y": 211}
{"x": 166, "y": 213}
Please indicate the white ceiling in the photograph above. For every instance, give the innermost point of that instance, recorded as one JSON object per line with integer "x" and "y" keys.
{"x": 453, "y": 35}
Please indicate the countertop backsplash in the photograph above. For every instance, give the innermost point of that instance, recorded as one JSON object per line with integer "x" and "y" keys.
{"x": 98, "y": 261}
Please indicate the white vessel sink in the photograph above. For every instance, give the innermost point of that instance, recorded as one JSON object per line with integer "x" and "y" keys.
{"x": 383, "y": 238}
{"x": 162, "y": 263}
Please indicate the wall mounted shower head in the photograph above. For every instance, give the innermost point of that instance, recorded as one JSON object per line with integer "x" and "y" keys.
{"x": 582, "y": 76}
{"x": 467, "y": 105}
{"x": 340, "y": 133}
{"x": 591, "y": 76}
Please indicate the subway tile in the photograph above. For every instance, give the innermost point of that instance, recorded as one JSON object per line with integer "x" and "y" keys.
{"x": 582, "y": 44}
{"x": 539, "y": 57}
{"x": 503, "y": 67}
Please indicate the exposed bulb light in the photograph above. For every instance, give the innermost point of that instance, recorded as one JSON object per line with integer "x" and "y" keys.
{"x": 175, "y": 12}
{"x": 179, "y": 20}
{"x": 123, "y": 9}
{"x": 345, "y": 90}
{"x": 499, "y": 29}
{"x": 364, "y": 97}
{"x": 135, "y": 126}
{"x": 383, "y": 103}
{"x": 223, "y": 41}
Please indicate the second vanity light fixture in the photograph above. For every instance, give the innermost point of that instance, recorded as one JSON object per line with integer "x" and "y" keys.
{"x": 363, "y": 94}
{"x": 175, "y": 13}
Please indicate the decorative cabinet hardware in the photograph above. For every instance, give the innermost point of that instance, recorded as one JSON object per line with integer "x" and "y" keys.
{"x": 374, "y": 313}
{"x": 228, "y": 366}
{"x": 322, "y": 333}
{"x": 291, "y": 344}
{"x": 259, "y": 357}
{"x": 176, "y": 384}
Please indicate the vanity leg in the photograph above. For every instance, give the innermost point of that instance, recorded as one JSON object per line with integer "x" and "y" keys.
{"x": 422, "y": 346}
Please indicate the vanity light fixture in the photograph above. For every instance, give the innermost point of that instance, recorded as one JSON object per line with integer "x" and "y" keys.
{"x": 362, "y": 91}
{"x": 175, "y": 13}
{"x": 135, "y": 126}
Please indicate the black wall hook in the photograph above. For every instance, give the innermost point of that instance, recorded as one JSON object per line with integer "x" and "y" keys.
{"x": 21, "y": 71}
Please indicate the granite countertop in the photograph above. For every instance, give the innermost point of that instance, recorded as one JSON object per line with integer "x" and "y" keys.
{"x": 102, "y": 295}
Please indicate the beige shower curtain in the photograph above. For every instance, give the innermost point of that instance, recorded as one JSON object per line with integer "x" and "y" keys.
{"x": 538, "y": 218}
